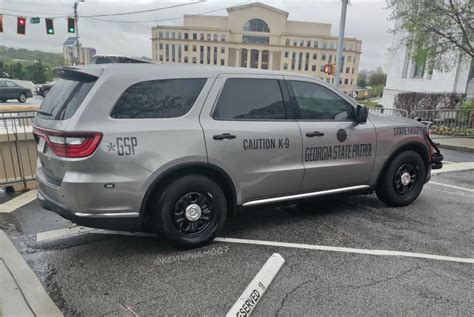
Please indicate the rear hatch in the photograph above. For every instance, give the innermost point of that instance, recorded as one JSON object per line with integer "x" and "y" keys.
{"x": 57, "y": 145}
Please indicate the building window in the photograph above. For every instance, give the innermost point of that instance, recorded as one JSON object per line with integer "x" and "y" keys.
{"x": 167, "y": 35}
{"x": 316, "y": 44}
{"x": 223, "y": 37}
{"x": 353, "y": 70}
{"x": 194, "y": 48}
{"x": 256, "y": 25}
{"x": 348, "y": 70}
{"x": 161, "y": 57}
{"x": 322, "y": 68}
{"x": 285, "y": 66}
{"x": 301, "y": 42}
{"x": 208, "y": 36}
{"x": 215, "y": 37}
{"x": 179, "y": 35}
{"x": 173, "y": 35}
{"x": 167, "y": 52}
{"x": 323, "y": 57}
{"x": 243, "y": 57}
{"x": 161, "y": 46}
{"x": 215, "y": 55}
{"x": 293, "y": 60}
{"x": 208, "y": 56}
{"x": 173, "y": 52}
{"x": 313, "y": 68}
{"x": 331, "y": 45}
{"x": 325, "y": 45}
{"x": 351, "y": 81}
{"x": 287, "y": 54}
{"x": 354, "y": 59}
{"x": 194, "y": 60}
{"x": 315, "y": 55}
{"x": 185, "y": 48}
{"x": 201, "y": 54}
{"x": 287, "y": 42}
{"x": 346, "y": 81}
{"x": 201, "y": 36}
{"x": 351, "y": 47}
{"x": 160, "y": 35}
{"x": 195, "y": 36}
{"x": 186, "y": 59}
{"x": 308, "y": 44}
{"x": 306, "y": 65}
{"x": 185, "y": 36}
{"x": 300, "y": 60}
{"x": 222, "y": 62}
{"x": 330, "y": 58}
{"x": 255, "y": 39}
{"x": 295, "y": 42}
{"x": 349, "y": 59}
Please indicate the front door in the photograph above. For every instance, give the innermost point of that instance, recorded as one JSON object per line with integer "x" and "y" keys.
{"x": 337, "y": 151}
{"x": 248, "y": 134}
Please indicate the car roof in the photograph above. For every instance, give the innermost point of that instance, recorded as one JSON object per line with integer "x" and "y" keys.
{"x": 191, "y": 70}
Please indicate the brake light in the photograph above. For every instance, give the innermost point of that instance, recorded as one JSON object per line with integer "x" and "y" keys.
{"x": 70, "y": 144}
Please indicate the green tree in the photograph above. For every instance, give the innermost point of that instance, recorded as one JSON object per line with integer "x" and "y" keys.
{"x": 437, "y": 31}
{"x": 361, "y": 80}
{"x": 377, "y": 79}
{"x": 36, "y": 72}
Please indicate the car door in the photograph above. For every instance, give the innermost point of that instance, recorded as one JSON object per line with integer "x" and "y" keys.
{"x": 3, "y": 89}
{"x": 338, "y": 152}
{"x": 12, "y": 90}
{"x": 248, "y": 135}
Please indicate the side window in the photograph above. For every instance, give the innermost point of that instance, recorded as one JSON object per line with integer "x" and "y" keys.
{"x": 248, "y": 98}
{"x": 319, "y": 103}
{"x": 3, "y": 84}
{"x": 167, "y": 98}
{"x": 11, "y": 84}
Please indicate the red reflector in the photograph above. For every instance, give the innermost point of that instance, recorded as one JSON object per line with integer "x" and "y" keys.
{"x": 70, "y": 144}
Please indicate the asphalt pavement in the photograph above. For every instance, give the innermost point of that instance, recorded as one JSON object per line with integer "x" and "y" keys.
{"x": 34, "y": 101}
{"x": 104, "y": 274}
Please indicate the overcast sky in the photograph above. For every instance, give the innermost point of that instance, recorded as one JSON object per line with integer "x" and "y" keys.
{"x": 366, "y": 20}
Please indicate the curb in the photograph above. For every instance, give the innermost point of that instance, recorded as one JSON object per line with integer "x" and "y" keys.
{"x": 456, "y": 147}
{"x": 26, "y": 293}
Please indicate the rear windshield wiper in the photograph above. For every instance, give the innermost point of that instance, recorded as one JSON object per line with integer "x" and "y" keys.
{"x": 44, "y": 113}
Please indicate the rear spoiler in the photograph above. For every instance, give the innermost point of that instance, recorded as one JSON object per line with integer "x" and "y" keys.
{"x": 77, "y": 74}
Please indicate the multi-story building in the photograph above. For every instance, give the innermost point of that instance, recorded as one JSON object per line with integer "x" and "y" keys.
{"x": 70, "y": 52}
{"x": 257, "y": 36}
{"x": 404, "y": 75}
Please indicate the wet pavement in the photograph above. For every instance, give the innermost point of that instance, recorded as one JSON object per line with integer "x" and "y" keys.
{"x": 99, "y": 274}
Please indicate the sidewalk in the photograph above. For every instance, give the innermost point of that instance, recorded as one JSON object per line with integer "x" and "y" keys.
{"x": 459, "y": 144}
{"x": 21, "y": 291}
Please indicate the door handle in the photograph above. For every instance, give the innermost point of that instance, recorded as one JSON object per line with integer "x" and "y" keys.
{"x": 314, "y": 133}
{"x": 223, "y": 136}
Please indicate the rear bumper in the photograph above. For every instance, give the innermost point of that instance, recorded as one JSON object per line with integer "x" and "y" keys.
{"x": 101, "y": 221}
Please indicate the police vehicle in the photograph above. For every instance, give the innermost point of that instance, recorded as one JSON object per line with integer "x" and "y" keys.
{"x": 178, "y": 148}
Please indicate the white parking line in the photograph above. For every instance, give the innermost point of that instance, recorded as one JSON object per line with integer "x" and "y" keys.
{"x": 452, "y": 186}
{"x": 257, "y": 287}
{"x": 18, "y": 202}
{"x": 78, "y": 230}
{"x": 347, "y": 250}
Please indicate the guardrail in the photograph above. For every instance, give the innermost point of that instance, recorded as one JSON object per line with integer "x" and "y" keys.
{"x": 17, "y": 148}
{"x": 448, "y": 123}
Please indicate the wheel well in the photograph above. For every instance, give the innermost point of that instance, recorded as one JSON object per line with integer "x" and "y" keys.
{"x": 205, "y": 169}
{"x": 417, "y": 147}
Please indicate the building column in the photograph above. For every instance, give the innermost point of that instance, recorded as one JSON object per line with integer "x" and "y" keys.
{"x": 270, "y": 60}
{"x": 237, "y": 57}
{"x": 259, "y": 64}
{"x": 248, "y": 58}
{"x": 211, "y": 60}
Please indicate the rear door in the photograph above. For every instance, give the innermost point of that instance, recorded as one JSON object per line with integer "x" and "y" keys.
{"x": 248, "y": 134}
{"x": 3, "y": 89}
{"x": 337, "y": 151}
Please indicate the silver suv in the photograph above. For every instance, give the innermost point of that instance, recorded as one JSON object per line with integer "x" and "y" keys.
{"x": 177, "y": 149}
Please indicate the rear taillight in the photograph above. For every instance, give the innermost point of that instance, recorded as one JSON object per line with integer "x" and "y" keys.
{"x": 70, "y": 144}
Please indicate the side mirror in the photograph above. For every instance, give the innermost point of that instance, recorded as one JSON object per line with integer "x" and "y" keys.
{"x": 362, "y": 113}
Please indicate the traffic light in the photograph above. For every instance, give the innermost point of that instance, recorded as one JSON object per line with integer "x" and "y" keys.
{"x": 71, "y": 25}
{"x": 49, "y": 26}
{"x": 21, "y": 25}
{"x": 1, "y": 23}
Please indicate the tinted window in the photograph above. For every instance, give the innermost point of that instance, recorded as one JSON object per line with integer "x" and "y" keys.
{"x": 3, "y": 84}
{"x": 250, "y": 99}
{"x": 64, "y": 98}
{"x": 158, "y": 98}
{"x": 319, "y": 103}
{"x": 11, "y": 84}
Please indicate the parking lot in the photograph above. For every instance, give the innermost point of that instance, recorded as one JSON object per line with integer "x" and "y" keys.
{"x": 116, "y": 274}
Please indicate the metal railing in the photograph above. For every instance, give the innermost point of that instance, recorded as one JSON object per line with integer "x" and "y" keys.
{"x": 390, "y": 111}
{"x": 17, "y": 148}
{"x": 446, "y": 123}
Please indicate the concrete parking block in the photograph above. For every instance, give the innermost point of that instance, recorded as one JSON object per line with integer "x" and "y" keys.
{"x": 22, "y": 293}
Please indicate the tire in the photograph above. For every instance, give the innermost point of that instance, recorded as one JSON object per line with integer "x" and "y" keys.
{"x": 402, "y": 180}
{"x": 22, "y": 98}
{"x": 177, "y": 205}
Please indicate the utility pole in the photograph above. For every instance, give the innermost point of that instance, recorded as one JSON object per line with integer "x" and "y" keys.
{"x": 340, "y": 42}
{"x": 76, "y": 19}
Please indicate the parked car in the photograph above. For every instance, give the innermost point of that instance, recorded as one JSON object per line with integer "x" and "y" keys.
{"x": 43, "y": 89}
{"x": 177, "y": 148}
{"x": 11, "y": 90}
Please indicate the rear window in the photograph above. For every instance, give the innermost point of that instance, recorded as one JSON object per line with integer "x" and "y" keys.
{"x": 167, "y": 98}
{"x": 64, "y": 98}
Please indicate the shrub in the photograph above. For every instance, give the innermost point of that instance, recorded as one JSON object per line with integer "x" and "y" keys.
{"x": 427, "y": 101}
